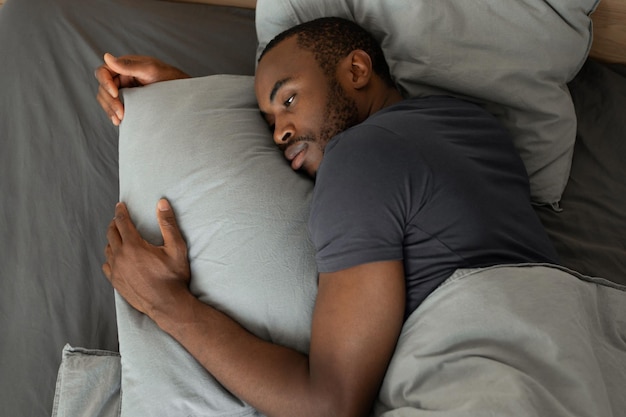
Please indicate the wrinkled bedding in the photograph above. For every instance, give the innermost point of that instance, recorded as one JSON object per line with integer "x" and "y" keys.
{"x": 59, "y": 172}
{"x": 88, "y": 384}
{"x": 512, "y": 340}
{"x": 524, "y": 341}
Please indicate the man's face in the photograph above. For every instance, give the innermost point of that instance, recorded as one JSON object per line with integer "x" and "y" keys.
{"x": 303, "y": 107}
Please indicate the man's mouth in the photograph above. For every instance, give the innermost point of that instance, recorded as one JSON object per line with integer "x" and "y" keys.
{"x": 295, "y": 153}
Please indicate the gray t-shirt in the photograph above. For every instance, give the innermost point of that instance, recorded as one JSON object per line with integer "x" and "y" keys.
{"x": 435, "y": 182}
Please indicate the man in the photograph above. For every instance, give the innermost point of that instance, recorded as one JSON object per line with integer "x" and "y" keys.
{"x": 406, "y": 192}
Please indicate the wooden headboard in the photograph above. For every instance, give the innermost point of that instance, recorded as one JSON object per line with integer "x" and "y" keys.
{"x": 609, "y": 27}
{"x": 609, "y": 31}
{"x": 248, "y": 4}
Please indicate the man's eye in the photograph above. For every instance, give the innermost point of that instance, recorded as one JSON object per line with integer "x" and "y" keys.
{"x": 289, "y": 101}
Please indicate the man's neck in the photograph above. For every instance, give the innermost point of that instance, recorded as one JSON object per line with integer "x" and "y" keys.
{"x": 390, "y": 96}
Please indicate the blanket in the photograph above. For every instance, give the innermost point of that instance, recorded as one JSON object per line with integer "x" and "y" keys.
{"x": 528, "y": 340}
{"x": 514, "y": 340}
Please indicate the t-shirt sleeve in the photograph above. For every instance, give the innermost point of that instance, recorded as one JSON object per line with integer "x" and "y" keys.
{"x": 363, "y": 200}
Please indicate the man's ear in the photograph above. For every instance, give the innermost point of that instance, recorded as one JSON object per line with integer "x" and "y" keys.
{"x": 360, "y": 68}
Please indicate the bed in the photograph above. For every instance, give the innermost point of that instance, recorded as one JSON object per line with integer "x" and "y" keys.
{"x": 70, "y": 347}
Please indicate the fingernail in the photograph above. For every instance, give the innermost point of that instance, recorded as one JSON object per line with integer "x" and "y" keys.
{"x": 162, "y": 205}
{"x": 117, "y": 215}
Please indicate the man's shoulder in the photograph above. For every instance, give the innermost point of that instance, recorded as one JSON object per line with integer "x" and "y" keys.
{"x": 437, "y": 117}
{"x": 426, "y": 104}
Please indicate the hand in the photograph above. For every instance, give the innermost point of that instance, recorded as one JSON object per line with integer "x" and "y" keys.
{"x": 150, "y": 278}
{"x": 129, "y": 71}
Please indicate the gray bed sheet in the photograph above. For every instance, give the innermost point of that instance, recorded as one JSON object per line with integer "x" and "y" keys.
{"x": 590, "y": 232}
{"x": 58, "y": 166}
{"x": 58, "y": 169}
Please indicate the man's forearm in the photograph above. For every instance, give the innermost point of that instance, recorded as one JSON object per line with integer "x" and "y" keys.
{"x": 273, "y": 379}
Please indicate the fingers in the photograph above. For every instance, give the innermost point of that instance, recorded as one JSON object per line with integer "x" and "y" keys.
{"x": 135, "y": 70}
{"x": 106, "y": 269}
{"x": 124, "y": 224}
{"x": 114, "y": 74}
{"x": 113, "y": 235}
{"x": 108, "y": 93}
{"x": 114, "y": 239}
{"x": 129, "y": 71}
{"x": 130, "y": 65}
{"x": 111, "y": 61}
{"x": 172, "y": 236}
{"x": 120, "y": 229}
{"x": 139, "y": 70}
{"x": 114, "y": 243}
{"x": 108, "y": 80}
{"x": 112, "y": 106}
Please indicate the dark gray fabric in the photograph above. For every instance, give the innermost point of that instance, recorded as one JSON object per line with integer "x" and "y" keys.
{"x": 435, "y": 182}
{"x": 58, "y": 166}
{"x": 590, "y": 232}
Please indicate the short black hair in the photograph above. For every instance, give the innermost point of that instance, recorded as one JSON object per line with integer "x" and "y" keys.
{"x": 333, "y": 38}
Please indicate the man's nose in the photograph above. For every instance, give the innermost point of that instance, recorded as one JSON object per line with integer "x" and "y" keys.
{"x": 283, "y": 133}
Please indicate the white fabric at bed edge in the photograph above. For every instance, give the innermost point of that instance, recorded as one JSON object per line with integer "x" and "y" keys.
{"x": 88, "y": 384}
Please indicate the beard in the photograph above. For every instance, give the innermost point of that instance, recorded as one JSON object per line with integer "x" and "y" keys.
{"x": 341, "y": 113}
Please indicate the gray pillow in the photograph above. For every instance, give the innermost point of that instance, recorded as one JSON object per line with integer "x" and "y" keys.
{"x": 512, "y": 56}
{"x": 203, "y": 144}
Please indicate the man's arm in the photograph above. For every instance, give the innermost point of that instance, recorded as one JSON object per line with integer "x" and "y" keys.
{"x": 356, "y": 323}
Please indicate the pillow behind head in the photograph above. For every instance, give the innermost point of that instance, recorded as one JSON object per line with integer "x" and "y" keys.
{"x": 512, "y": 57}
{"x": 202, "y": 144}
